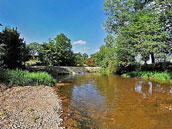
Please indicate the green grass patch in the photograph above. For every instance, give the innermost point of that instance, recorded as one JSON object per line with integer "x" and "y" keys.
{"x": 162, "y": 77}
{"x": 26, "y": 78}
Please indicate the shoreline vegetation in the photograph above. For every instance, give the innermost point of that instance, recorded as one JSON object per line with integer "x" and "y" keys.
{"x": 24, "y": 96}
{"x": 161, "y": 77}
{"x": 25, "y": 78}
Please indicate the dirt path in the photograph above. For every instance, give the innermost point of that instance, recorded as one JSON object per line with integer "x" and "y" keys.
{"x": 29, "y": 107}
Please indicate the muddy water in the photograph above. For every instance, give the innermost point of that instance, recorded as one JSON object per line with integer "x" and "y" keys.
{"x": 113, "y": 102}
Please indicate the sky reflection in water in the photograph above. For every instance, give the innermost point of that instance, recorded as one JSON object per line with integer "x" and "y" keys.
{"x": 99, "y": 101}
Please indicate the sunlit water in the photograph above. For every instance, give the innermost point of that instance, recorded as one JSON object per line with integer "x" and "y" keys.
{"x": 113, "y": 102}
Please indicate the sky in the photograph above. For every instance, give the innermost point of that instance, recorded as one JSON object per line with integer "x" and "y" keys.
{"x": 38, "y": 20}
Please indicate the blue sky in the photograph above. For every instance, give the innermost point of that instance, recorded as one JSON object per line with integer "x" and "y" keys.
{"x": 38, "y": 20}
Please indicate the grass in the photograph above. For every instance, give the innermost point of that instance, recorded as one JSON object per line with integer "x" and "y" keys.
{"x": 30, "y": 109}
{"x": 34, "y": 117}
{"x": 162, "y": 77}
{"x": 25, "y": 78}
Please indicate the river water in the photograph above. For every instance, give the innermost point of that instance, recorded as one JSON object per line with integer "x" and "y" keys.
{"x": 112, "y": 102}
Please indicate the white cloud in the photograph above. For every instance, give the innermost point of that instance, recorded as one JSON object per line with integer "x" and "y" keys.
{"x": 97, "y": 50}
{"x": 80, "y": 42}
{"x": 86, "y": 48}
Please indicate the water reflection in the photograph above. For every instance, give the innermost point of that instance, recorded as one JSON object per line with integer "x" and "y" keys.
{"x": 138, "y": 87}
{"x": 150, "y": 88}
{"x": 112, "y": 102}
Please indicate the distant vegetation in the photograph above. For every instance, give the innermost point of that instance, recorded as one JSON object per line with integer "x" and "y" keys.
{"x": 57, "y": 52}
{"x": 139, "y": 39}
{"x": 14, "y": 53}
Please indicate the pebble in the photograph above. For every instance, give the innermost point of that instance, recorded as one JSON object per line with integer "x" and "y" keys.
{"x": 46, "y": 105}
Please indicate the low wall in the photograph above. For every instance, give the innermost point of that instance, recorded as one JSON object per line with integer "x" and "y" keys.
{"x": 65, "y": 69}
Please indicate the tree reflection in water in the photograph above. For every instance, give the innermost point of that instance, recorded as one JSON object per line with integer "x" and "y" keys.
{"x": 99, "y": 101}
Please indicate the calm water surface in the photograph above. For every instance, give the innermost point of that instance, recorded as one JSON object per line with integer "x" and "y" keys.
{"x": 113, "y": 102}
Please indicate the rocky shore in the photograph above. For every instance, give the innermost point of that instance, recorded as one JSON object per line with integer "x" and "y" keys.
{"x": 29, "y": 108}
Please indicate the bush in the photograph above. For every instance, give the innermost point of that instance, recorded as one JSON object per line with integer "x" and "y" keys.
{"x": 157, "y": 76}
{"x": 24, "y": 78}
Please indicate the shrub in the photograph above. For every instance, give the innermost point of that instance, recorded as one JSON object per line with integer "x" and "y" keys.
{"x": 157, "y": 76}
{"x": 24, "y": 78}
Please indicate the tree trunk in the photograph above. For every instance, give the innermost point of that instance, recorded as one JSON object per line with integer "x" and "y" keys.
{"x": 152, "y": 58}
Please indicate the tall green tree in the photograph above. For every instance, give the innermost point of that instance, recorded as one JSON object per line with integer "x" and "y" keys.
{"x": 1, "y": 50}
{"x": 106, "y": 56}
{"x": 165, "y": 11}
{"x": 120, "y": 11}
{"x": 57, "y": 52}
{"x": 14, "y": 47}
{"x": 1, "y": 55}
{"x": 80, "y": 59}
{"x": 63, "y": 46}
{"x": 34, "y": 48}
{"x": 144, "y": 36}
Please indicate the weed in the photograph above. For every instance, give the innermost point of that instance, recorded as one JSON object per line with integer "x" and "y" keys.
{"x": 31, "y": 109}
{"x": 34, "y": 117}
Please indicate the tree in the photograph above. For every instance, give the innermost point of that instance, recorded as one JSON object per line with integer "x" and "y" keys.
{"x": 34, "y": 49}
{"x": 80, "y": 59}
{"x": 14, "y": 47}
{"x": 48, "y": 53}
{"x": 143, "y": 36}
{"x": 63, "y": 46}
{"x": 1, "y": 50}
{"x": 142, "y": 29}
{"x": 106, "y": 56}
{"x": 89, "y": 62}
{"x": 165, "y": 11}
{"x": 1, "y": 55}
{"x": 120, "y": 11}
{"x": 57, "y": 52}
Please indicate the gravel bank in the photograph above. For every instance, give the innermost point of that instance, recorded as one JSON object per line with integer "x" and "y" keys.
{"x": 29, "y": 108}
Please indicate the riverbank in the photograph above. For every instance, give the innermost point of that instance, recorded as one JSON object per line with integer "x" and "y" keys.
{"x": 161, "y": 77}
{"x": 29, "y": 107}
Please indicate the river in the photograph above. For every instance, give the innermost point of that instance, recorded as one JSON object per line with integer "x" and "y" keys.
{"x": 113, "y": 102}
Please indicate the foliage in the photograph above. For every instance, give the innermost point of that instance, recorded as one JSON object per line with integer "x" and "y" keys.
{"x": 15, "y": 48}
{"x": 80, "y": 59}
{"x": 142, "y": 37}
{"x": 120, "y": 11}
{"x": 89, "y": 62}
{"x": 161, "y": 77}
{"x": 106, "y": 56}
{"x": 56, "y": 52}
{"x": 142, "y": 30}
{"x": 34, "y": 49}
{"x": 63, "y": 46}
{"x": 24, "y": 78}
{"x": 2, "y": 52}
